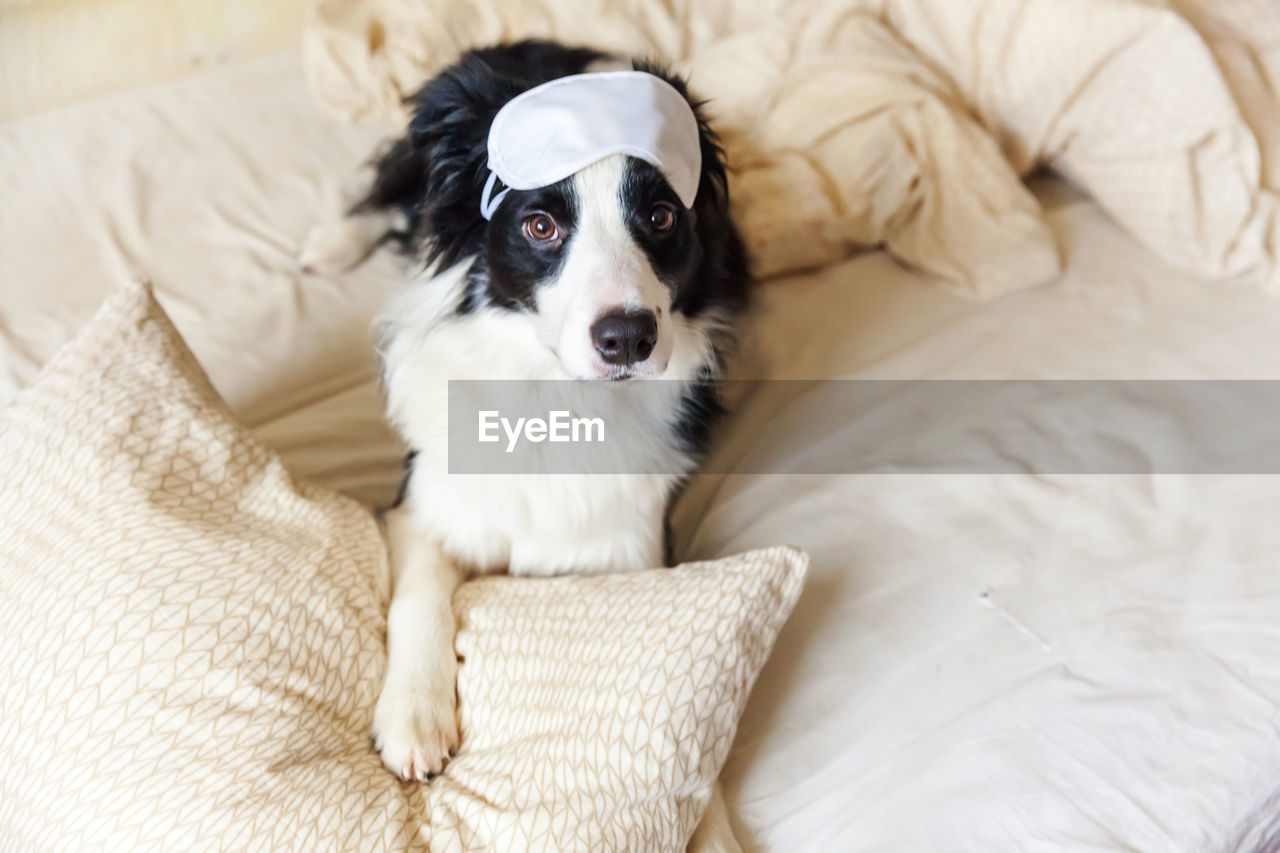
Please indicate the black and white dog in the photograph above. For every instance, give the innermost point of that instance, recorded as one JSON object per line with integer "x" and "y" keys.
{"x": 604, "y": 275}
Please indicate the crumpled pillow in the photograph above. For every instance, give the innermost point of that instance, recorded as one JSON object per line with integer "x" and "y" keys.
{"x": 898, "y": 122}
{"x": 1125, "y": 99}
{"x": 858, "y": 144}
{"x": 191, "y": 646}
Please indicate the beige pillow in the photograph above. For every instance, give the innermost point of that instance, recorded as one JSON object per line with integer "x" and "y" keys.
{"x": 191, "y": 645}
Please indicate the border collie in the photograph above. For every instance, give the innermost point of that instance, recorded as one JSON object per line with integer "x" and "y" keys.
{"x": 604, "y": 275}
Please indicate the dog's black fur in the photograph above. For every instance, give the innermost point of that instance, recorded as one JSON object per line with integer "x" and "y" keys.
{"x": 434, "y": 176}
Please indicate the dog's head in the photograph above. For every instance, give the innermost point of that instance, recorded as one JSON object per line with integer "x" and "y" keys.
{"x": 609, "y": 267}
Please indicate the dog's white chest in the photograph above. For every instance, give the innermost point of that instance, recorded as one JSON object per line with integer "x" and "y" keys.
{"x": 529, "y": 524}
{"x": 544, "y": 525}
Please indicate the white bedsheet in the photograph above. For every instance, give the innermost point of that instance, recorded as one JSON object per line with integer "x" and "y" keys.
{"x": 979, "y": 662}
{"x": 1011, "y": 662}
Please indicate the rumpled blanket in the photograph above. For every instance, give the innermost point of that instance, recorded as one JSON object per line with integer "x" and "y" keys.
{"x": 911, "y": 123}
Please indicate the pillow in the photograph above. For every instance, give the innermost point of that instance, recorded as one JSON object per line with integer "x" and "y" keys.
{"x": 191, "y": 645}
{"x": 856, "y": 143}
{"x": 1125, "y": 99}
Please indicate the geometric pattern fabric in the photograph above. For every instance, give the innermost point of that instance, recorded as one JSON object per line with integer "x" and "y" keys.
{"x": 191, "y": 646}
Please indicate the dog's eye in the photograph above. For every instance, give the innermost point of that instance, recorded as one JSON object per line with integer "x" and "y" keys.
{"x": 541, "y": 228}
{"x": 662, "y": 217}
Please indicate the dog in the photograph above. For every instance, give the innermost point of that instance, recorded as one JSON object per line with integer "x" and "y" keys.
{"x": 605, "y": 275}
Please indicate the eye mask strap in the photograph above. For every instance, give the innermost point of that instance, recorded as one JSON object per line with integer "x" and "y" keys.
{"x": 489, "y": 204}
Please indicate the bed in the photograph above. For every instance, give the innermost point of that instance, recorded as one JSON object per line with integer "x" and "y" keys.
{"x": 979, "y": 662}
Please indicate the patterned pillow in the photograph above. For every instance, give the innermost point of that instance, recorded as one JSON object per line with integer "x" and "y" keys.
{"x": 191, "y": 645}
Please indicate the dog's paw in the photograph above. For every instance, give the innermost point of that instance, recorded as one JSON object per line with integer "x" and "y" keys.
{"x": 336, "y": 248}
{"x": 416, "y": 730}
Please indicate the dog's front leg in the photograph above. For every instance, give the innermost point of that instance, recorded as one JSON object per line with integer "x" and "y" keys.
{"x": 415, "y": 723}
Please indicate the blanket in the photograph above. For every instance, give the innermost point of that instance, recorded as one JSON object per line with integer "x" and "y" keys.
{"x": 910, "y": 124}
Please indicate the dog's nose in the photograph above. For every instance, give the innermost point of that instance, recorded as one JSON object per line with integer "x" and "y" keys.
{"x": 625, "y": 337}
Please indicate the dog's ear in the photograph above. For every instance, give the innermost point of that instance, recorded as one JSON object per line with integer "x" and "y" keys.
{"x": 725, "y": 270}
{"x": 436, "y": 173}
{"x": 713, "y": 187}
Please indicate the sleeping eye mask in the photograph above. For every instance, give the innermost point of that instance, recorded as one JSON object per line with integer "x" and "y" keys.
{"x": 554, "y": 130}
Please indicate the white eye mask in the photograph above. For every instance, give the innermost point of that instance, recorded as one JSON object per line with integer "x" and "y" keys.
{"x": 550, "y": 132}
